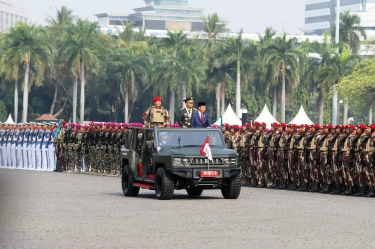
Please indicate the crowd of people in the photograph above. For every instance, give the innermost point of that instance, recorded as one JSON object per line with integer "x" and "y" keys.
{"x": 317, "y": 158}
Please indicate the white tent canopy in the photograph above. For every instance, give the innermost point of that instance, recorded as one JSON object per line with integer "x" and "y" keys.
{"x": 9, "y": 120}
{"x": 301, "y": 118}
{"x": 266, "y": 117}
{"x": 229, "y": 117}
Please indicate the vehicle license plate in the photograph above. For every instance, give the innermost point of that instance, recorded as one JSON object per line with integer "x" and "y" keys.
{"x": 209, "y": 173}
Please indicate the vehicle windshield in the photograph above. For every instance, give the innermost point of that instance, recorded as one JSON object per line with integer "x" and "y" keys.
{"x": 189, "y": 138}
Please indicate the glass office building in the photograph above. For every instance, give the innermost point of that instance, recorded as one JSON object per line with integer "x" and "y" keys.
{"x": 320, "y": 15}
{"x": 9, "y": 15}
{"x": 158, "y": 15}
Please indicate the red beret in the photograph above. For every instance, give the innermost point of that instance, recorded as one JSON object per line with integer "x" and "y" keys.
{"x": 157, "y": 98}
{"x": 237, "y": 127}
{"x": 338, "y": 127}
{"x": 307, "y": 126}
{"x": 63, "y": 122}
{"x": 257, "y": 124}
{"x": 264, "y": 124}
{"x": 227, "y": 125}
{"x": 350, "y": 126}
{"x": 275, "y": 124}
{"x": 317, "y": 126}
{"x": 282, "y": 124}
{"x": 372, "y": 126}
{"x": 362, "y": 126}
{"x": 329, "y": 126}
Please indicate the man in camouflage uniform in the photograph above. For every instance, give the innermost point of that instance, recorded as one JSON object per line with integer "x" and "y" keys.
{"x": 291, "y": 155}
{"x": 301, "y": 172}
{"x": 226, "y": 135}
{"x": 346, "y": 157}
{"x": 244, "y": 155}
{"x": 271, "y": 156}
{"x": 156, "y": 115}
{"x": 184, "y": 116}
{"x": 364, "y": 159}
{"x": 323, "y": 153}
{"x": 311, "y": 148}
{"x": 279, "y": 141}
{"x": 369, "y": 154}
{"x": 260, "y": 150}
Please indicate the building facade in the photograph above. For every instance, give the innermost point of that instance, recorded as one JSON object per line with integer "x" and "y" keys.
{"x": 9, "y": 15}
{"x": 158, "y": 15}
{"x": 320, "y": 15}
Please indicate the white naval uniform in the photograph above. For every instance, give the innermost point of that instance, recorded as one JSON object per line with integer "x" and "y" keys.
{"x": 19, "y": 153}
{"x": 38, "y": 149}
{"x": 44, "y": 150}
{"x": 25, "y": 149}
{"x": 13, "y": 150}
{"x": 31, "y": 149}
{"x": 2, "y": 136}
{"x": 51, "y": 153}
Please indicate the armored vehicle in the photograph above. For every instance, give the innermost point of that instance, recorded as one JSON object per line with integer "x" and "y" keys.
{"x": 165, "y": 159}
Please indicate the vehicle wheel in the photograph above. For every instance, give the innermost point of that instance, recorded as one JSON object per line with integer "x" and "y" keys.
{"x": 127, "y": 181}
{"x": 164, "y": 185}
{"x": 233, "y": 189}
{"x": 194, "y": 192}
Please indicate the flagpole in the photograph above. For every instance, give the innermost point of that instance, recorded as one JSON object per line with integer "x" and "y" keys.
{"x": 208, "y": 160}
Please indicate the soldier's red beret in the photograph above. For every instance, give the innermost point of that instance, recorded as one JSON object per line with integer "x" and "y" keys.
{"x": 301, "y": 126}
{"x": 275, "y": 124}
{"x": 248, "y": 125}
{"x": 307, "y": 126}
{"x": 63, "y": 122}
{"x": 227, "y": 125}
{"x": 257, "y": 124}
{"x": 337, "y": 126}
{"x": 362, "y": 126}
{"x": 350, "y": 126}
{"x": 157, "y": 98}
{"x": 372, "y": 126}
{"x": 263, "y": 124}
{"x": 236, "y": 127}
{"x": 329, "y": 126}
{"x": 282, "y": 124}
{"x": 317, "y": 126}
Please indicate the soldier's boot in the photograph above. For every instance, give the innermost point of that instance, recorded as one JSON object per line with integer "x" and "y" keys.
{"x": 282, "y": 184}
{"x": 314, "y": 187}
{"x": 349, "y": 190}
{"x": 293, "y": 185}
{"x": 371, "y": 192}
{"x": 360, "y": 192}
{"x": 326, "y": 188}
{"x": 336, "y": 189}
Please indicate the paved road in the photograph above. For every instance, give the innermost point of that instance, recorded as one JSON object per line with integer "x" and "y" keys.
{"x": 58, "y": 210}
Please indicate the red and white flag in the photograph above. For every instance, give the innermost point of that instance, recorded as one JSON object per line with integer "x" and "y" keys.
{"x": 205, "y": 149}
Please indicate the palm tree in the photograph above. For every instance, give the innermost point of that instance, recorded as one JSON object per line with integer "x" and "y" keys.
{"x": 267, "y": 71}
{"x": 188, "y": 70}
{"x": 132, "y": 67}
{"x": 242, "y": 54}
{"x": 28, "y": 45}
{"x": 283, "y": 56}
{"x": 350, "y": 31}
{"x": 214, "y": 27}
{"x": 175, "y": 41}
{"x": 336, "y": 67}
{"x": 80, "y": 53}
{"x": 58, "y": 27}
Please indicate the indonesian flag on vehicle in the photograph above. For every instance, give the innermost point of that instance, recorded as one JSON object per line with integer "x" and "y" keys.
{"x": 205, "y": 149}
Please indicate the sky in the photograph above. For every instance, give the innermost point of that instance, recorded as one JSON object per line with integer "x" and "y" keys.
{"x": 253, "y": 16}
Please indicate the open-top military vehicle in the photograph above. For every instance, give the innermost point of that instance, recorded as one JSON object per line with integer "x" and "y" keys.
{"x": 165, "y": 159}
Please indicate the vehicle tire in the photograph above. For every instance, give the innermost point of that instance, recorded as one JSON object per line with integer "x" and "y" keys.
{"x": 233, "y": 189}
{"x": 194, "y": 192}
{"x": 164, "y": 185}
{"x": 127, "y": 181}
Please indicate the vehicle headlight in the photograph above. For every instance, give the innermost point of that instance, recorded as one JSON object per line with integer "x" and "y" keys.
{"x": 233, "y": 161}
{"x": 186, "y": 162}
{"x": 177, "y": 161}
{"x": 226, "y": 161}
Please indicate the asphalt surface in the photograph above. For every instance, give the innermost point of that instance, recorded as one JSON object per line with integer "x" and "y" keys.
{"x": 59, "y": 210}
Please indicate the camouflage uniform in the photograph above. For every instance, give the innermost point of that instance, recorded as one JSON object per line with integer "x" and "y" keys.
{"x": 158, "y": 116}
{"x": 281, "y": 171}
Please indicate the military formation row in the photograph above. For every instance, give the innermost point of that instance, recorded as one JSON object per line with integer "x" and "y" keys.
{"x": 327, "y": 159}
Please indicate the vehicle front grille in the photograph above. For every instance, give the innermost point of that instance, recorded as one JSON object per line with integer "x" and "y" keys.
{"x": 203, "y": 161}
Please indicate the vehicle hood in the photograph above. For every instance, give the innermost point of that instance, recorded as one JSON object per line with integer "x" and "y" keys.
{"x": 195, "y": 151}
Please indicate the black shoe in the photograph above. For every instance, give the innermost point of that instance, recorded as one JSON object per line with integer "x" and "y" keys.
{"x": 359, "y": 193}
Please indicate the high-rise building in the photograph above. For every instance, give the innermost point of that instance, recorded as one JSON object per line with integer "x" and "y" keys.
{"x": 9, "y": 15}
{"x": 320, "y": 15}
{"x": 158, "y": 15}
